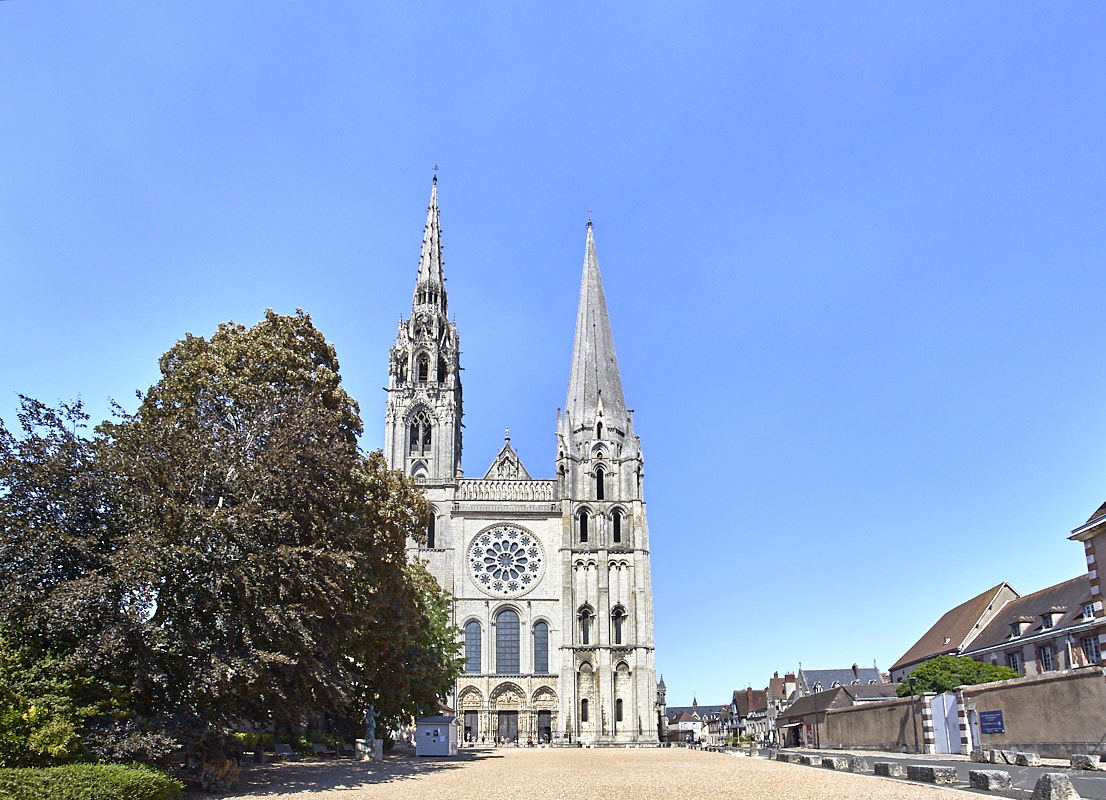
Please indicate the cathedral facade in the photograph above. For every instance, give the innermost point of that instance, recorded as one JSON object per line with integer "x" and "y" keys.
{"x": 550, "y": 577}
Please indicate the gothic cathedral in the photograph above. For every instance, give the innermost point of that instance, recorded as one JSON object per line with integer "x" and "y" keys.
{"x": 550, "y": 578}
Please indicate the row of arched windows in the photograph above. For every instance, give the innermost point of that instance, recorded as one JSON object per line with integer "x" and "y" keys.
{"x": 583, "y": 526}
{"x": 619, "y": 628}
{"x": 422, "y": 369}
{"x": 507, "y": 645}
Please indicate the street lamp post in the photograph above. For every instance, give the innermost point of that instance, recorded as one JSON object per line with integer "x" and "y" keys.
{"x": 913, "y": 713}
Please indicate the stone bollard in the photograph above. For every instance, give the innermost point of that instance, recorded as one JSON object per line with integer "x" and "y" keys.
{"x": 1054, "y": 786}
{"x": 990, "y": 780}
{"x": 888, "y": 769}
{"x": 981, "y": 756}
{"x": 1084, "y": 761}
{"x": 859, "y": 764}
{"x": 923, "y": 773}
{"x": 835, "y": 762}
{"x": 1028, "y": 760}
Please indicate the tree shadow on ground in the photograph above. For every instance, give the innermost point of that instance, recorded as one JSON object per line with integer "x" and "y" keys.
{"x": 288, "y": 777}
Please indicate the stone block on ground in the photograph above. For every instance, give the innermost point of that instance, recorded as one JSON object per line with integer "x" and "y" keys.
{"x": 990, "y": 780}
{"x": 795, "y": 758}
{"x": 783, "y": 756}
{"x": 1086, "y": 761}
{"x": 859, "y": 764}
{"x": 1028, "y": 760}
{"x": 810, "y": 761}
{"x": 835, "y": 762}
{"x": 1054, "y": 786}
{"x": 981, "y": 756}
{"x": 888, "y": 769}
{"x": 925, "y": 773}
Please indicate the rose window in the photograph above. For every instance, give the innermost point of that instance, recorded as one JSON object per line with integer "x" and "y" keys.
{"x": 506, "y": 561}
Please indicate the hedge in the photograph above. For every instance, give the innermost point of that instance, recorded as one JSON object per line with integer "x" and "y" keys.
{"x": 88, "y": 782}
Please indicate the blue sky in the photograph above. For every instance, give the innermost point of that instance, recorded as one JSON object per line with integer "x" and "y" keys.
{"x": 853, "y": 255}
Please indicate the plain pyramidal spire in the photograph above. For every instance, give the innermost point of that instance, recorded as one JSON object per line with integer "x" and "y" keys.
{"x": 594, "y": 385}
{"x": 430, "y": 286}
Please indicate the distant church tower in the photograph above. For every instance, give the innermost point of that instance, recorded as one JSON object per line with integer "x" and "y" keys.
{"x": 550, "y": 578}
{"x": 422, "y": 434}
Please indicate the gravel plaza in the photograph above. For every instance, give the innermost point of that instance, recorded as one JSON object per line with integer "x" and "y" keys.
{"x": 580, "y": 774}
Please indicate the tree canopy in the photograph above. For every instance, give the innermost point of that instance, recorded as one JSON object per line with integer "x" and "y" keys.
{"x": 226, "y": 554}
{"x": 945, "y": 673}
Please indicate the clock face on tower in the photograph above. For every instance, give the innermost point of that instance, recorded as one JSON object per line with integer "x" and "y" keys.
{"x": 506, "y": 560}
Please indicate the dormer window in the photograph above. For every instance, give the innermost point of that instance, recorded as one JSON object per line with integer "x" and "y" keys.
{"x": 1046, "y": 621}
{"x": 1020, "y": 625}
{"x": 1088, "y": 610}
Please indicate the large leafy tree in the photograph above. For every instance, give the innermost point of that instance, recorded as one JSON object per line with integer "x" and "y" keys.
{"x": 945, "y": 673}
{"x": 225, "y": 554}
{"x": 268, "y": 551}
{"x": 68, "y": 632}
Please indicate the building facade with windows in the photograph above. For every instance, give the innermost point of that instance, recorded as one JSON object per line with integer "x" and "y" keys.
{"x": 550, "y": 577}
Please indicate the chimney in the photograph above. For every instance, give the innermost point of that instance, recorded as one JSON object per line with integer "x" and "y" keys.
{"x": 856, "y": 671}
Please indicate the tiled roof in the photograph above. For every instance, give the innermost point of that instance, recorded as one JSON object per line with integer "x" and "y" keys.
{"x": 1100, "y": 513}
{"x": 742, "y": 697}
{"x": 1070, "y": 595}
{"x": 819, "y": 701}
{"x": 950, "y": 633}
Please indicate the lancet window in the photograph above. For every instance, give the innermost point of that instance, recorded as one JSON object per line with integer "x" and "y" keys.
{"x": 419, "y": 433}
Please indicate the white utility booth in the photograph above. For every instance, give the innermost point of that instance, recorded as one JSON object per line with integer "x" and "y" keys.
{"x": 436, "y": 736}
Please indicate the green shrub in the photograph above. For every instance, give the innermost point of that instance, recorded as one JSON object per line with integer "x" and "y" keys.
{"x": 88, "y": 782}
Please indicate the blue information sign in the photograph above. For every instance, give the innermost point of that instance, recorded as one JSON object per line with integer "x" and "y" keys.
{"x": 991, "y": 722}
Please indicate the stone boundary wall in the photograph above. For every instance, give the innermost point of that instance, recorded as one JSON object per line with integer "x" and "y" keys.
{"x": 1057, "y": 714}
{"x": 884, "y": 725}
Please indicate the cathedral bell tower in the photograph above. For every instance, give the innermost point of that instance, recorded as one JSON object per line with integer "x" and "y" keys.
{"x": 422, "y": 429}
{"x": 608, "y": 605}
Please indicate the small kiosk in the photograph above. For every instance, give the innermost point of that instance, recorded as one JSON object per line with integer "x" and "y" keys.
{"x": 436, "y": 736}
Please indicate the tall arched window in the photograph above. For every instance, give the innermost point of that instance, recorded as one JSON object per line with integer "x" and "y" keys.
{"x": 585, "y": 626}
{"x": 424, "y": 368}
{"x": 618, "y": 623}
{"x": 599, "y": 430}
{"x": 598, "y": 483}
{"x": 616, "y": 526}
{"x": 506, "y": 643}
{"x": 583, "y": 525}
{"x": 618, "y": 710}
{"x": 584, "y": 710}
{"x": 441, "y": 369}
{"x": 541, "y": 648}
{"x": 430, "y": 530}
{"x": 472, "y": 647}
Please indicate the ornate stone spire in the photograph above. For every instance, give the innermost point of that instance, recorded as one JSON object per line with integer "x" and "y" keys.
{"x": 430, "y": 286}
{"x": 594, "y": 385}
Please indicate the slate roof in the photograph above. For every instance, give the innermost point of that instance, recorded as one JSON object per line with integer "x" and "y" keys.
{"x": 957, "y": 625}
{"x": 703, "y": 711}
{"x": 808, "y": 678}
{"x": 1070, "y": 595}
{"x": 776, "y": 688}
{"x": 872, "y": 691}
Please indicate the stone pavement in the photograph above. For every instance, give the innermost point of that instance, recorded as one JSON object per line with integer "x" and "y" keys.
{"x": 569, "y": 774}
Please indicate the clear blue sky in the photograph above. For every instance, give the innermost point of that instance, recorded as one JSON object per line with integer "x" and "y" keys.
{"x": 853, "y": 255}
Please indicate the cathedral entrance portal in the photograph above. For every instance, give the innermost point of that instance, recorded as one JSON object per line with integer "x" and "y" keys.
{"x": 471, "y": 732}
{"x": 545, "y": 726}
{"x": 508, "y": 726}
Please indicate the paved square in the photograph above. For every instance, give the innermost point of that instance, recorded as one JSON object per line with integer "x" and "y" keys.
{"x": 572, "y": 774}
